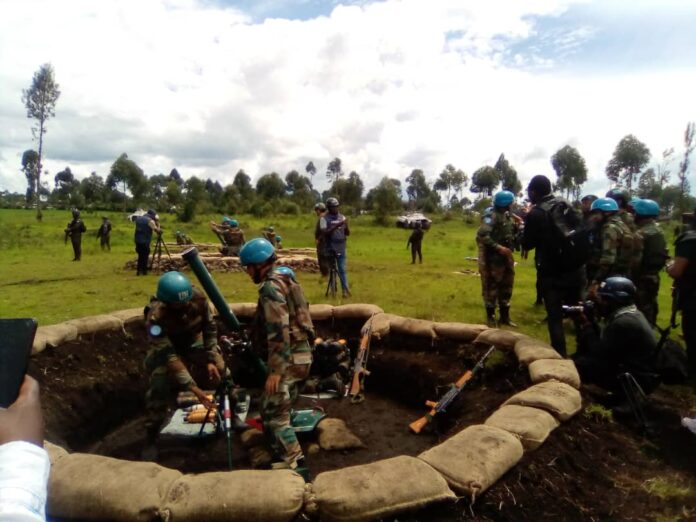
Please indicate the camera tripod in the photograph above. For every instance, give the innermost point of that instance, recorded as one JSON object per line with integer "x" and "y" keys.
{"x": 157, "y": 251}
{"x": 332, "y": 285}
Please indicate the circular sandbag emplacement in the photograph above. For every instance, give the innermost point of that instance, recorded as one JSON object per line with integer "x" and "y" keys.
{"x": 93, "y": 391}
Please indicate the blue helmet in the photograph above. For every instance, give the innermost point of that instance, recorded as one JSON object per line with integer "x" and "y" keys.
{"x": 621, "y": 290}
{"x": 278, "y": 238}
{"x": 646, "y": 208}
{"x": 284, "y": 270}
{"x": 256, "y": 251}
{"x": 632, "y": 202}
{"x": 233, "y": 223}
{"x": 226, "y": 220}
{"x": 503, "y": 198}
{"x": 174, "y": 287}
{"x": 605, "y": 205}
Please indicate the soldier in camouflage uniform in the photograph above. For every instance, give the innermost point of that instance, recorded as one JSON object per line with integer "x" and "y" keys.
{"x": 613, "y": 249}
{"x": 286, "y": 326}
{"x": 654, "y": 257}
{"x": 231, "y": 235}
{"x": 180, "y": 327}
{"x": 626, "y": 213}
{"x": 74, "y": 231}
{"x": 496, "y": 239}
{"x": 270, "y": 235}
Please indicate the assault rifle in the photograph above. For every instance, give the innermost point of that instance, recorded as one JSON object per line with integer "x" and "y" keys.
{"x": 359, "y": 366}
{"x": 441, "y": 405}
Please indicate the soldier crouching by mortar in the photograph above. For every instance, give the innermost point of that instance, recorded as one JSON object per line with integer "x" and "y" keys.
{"x": 180, "y": 326}
{"x": 284, "y": 325}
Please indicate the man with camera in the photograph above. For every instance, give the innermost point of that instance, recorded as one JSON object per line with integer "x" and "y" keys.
{"x": 145, "y": 225}
{"x": 334, "y": 229}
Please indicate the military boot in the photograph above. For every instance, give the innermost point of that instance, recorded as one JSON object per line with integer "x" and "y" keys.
{"x": 490, "y": 316}
{"x": 505, "y": 316}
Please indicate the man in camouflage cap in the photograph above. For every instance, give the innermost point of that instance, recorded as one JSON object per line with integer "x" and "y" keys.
{"x": 284, "y": 323}
{"x": 496, "y": 240}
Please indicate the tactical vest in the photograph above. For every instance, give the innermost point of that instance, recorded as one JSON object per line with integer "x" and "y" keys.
{"x": 625, "y": 251}
{"x": 143, "y": 232}
{"x": 300, "y": 321}
{"x": 183, "y": 327}
{"x": 654, "y": 251}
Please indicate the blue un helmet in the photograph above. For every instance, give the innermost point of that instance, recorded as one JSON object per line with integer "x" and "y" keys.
{"x": 256, "y": 251}
{"x": 284, "y": 270}
{"x": 233, "y": 223}
{"x": 174, "y": 287}
{"x": 503, "y": 199}
{"x": 605, "y": 205}
{"x": 226, "y": 220}
{"x": 646, "y": 208}
{"x": 620, "y": 290}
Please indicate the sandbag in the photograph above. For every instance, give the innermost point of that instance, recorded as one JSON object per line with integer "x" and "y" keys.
{"x": 530, "y": 350}
{"x": 53, "y": 335}
{"x": 335, "y": 435}
{"x": 381, "y": 325}
{"x": 377, "y": 490}
{"x": 259, "y": 457}
{"x": 412, "y": 327}
{"x": 473, "y": 459}
{"x": 93, "y": 487}
{"x": 531, "y": 425}
{"x": 356, "y": 311}
{"x": 561, "y": 370}
{"x": 321, "y": 312}
{"x": 131, "y": 315}
{"x": 55, "y": 452}
{"x": 558, "y": 398}
{"x": 96, "y": 323}
{"x": 458, "y": 331}
{"x": 249, "y": 495}
{"x": 498, "y": 338}
{"x": 246, "y": 310}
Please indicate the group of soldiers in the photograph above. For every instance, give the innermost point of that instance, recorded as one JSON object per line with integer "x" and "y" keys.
{"x": 76, "y": 227}
{"x": 232, "y": 236}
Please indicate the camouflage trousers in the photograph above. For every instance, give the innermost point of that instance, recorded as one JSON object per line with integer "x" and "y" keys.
{"x": 496, "y": 284}
{"x": 275, "y": 412}
{"x": 647, "y": 288}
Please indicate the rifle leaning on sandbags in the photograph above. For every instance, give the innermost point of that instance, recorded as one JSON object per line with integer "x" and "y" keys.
{"x": 357, "y": 382}
{"x": 441, "y": 405}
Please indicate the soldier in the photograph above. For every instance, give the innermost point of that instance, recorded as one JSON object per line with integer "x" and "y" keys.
{"x": 283, "y": 318}
{"x": 496, "y": 240}
{"x": 586, "y": 204}
{"x": 612, "y": 252}
{"x": 334, "y": 228}
{"x": 104, "y": 234}
{"x": 279, "y": 242}
{"x": 180, "y": 327}
{"x": 320, "y": 240}
{"x": 654, "y": 256}
{"x": 627, "y": 215}
{"x": 231, "y": 235}
{"x": 144, "y": 226}
{"x": 414, "y": 241}
{"x": 74, "y": 231}
{"x": 182, "y": 238}
{"x": 270, "y": 235}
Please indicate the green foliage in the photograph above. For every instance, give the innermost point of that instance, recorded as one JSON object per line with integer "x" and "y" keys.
{"x": 334, "y": 169}
{"x": 289, "y": 208}
{"x": 508, "y": 175}
{"x": 453, "y": 181}
{"x": 270, "y": 186}
{"x": 30, "y": 166}
{"x": 384, "y": 199}
{"x": 598, "y": 412}
{"x": 571, "y": 171}
{"x": 630, "y": 156}
{"x": 485, "y": 180}
{"x": 131, "y": 177}
{"x": 665, "y": 488}
{"x": 348, "y": 190}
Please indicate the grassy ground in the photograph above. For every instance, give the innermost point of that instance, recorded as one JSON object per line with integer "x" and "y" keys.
{"x": 38, "y": 278}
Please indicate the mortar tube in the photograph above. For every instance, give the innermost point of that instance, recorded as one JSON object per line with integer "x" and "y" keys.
{"x": 191, "y": 256}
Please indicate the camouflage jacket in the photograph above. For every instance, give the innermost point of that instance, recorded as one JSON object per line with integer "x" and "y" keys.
{"x": 285, "y": 323}
{"x": 233, "y": 236}
{"x": 181, "y": 329}
{"x": 613, "y": 253}
{"x": 496, "y": 230}
{"x": 653, "y": 248}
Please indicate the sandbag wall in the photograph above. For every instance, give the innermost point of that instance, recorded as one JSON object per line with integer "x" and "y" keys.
{"x": 94, "y": 487}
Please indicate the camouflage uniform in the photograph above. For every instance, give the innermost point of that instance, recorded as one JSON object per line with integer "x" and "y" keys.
{"x": 283, "y": 316}
{"x": 612, "y": 252}
{"x": 234, "y": 241}
{"x": 74, "y": 231}
{"x": 497, "y": 272}
{"x": 647, "y": 274}
{"x": 271, "y": 236}
{"x": 187, "y": 333}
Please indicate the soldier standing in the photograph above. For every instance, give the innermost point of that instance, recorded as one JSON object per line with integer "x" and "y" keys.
{"x": 654, "y": 256}
{"x": 334, "y": 228}
{"x": 270, "y": 235}
{"x": 74, "y": 231}
{"x": 180, "y": 327}
{"x": 320, "y": 240}
{"x": 284, "y": 321}
{"x": 144, "y": 226}
{"x": 414, "y": 241}
{"x": 496, "y": 241}
{"x": 104, "y": 234}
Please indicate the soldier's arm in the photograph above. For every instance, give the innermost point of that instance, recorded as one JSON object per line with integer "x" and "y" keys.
{"x": 277, "y": 328}
{"x": 610, "y": 242}
{"x": 533, "y": 225}
{"x": 483, "y": 237}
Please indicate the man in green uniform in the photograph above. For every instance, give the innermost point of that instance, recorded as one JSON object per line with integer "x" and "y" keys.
{"x": 612, "y": 250}
{"x": 415, "y": 241}
{"x": 627, "y": 214}
{"x": 496, "y": 241}
{"x": 286, "y": 327}
{"x": 231, "y": 235}
{"x": 180, "y": 327}
{"x": 104, "y": 234}
{"x": 654, "y": 255}
{"x": 270, "y": 235}
{"x": 74, "y": 231}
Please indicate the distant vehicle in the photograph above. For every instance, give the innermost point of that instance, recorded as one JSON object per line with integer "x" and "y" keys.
{"x": 409, "y": 221}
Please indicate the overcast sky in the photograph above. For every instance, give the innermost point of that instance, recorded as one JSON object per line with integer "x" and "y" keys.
{"x": 212, "y": 86}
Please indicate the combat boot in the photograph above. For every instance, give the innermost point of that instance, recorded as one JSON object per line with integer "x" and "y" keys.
{"x": 490, "y": 316}
{"x": 505, "y": 316}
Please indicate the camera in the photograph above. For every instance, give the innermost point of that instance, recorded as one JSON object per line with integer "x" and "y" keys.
{"x": 586, "y": 307}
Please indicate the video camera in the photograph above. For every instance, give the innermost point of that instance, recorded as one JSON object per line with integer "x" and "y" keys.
{"x": 586, "y": 307}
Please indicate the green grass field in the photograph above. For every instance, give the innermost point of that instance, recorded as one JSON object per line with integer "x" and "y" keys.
{"x": 38, "y": 278}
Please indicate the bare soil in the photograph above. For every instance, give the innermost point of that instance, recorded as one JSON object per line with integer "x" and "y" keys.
{"x": 590, "y": 468}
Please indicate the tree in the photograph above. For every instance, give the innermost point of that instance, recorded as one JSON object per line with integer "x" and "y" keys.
{"x": 128, "y": 173}
{"x": 194, "y": 196}
{"x": 348, "y": 191}
{"x": 176, "y": 177}
{"x": 384, "y": 199}
{"x": 311, "y": 170}
{"x": 30, "y": 161}
{"x": 451, "y": 180}
{"x": 40, "y": 100}
{"x": 485, "y": 180}
{"x": 630, "y": 156}
{"x": 92, "y": 189}
{"x": 684, "y": 165}
{"x": 663, "y": 172}
{"x": 242, "y": 182}
{"x": 508, "y": 175}
{"x": 270, "y": 186}
{"x": 300, "y": 189}
{"x": 66, "y": 188}
{"x": 334, "y": 170}
{"x": 417, "y": 188}
{"x": 648, "y": 187}
{"x": 571, "y": 170}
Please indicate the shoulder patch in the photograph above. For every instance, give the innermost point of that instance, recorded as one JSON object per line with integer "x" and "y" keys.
{"x": 488, "y": 220}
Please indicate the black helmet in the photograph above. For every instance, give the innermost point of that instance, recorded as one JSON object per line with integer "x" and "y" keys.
{"x": 75, "y": 213}
{"x": 332, "y": 202}
{"x": 620, "y": 290}
{"x": 320, "y": 206}
{"x": 620, "y": 195}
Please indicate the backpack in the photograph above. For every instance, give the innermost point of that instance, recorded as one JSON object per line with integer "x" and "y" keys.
{"x": 569, "y": 236}
{"x": 670, "y": 359}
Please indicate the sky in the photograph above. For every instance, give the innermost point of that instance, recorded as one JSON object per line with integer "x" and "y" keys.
{"x": 213, "y": 86}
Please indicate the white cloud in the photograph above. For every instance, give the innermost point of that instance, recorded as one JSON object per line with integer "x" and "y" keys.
{"x": 387, "y": 86}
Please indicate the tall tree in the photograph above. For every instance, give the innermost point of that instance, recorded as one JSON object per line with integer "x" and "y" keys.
{"x": 648, "y": 187}
{"x": 242, "y": 182}
{"x": 485, "y": 180}
{"x": 176, "y": 177}
{"x": 334, "y": 170}
{"x": 92, "y": 188}
{"x": 349, "y": 190}
{"x": 40, "y": 100}
{"x": 508, "y": 175}
{"x": 630, "y": 156}
{"x": 66, "y": 188}
{"x": 385, "y": 198}
{"x": 684, "y": 165}
{"x": 663, "y": 169}
{"x": 311, "y": 170}
{"x": 131, "y": 176}
{"x": 452, "y": 181}
{"x": 30, "y": 161}
{"x": 300, "y": 189}
{"x": 571, "y": 170}
{"x": 270, "y": 186}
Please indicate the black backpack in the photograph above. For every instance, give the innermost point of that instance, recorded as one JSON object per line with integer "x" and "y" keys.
{"x": 670, "y": 359}
{"x": 570, "y": 239}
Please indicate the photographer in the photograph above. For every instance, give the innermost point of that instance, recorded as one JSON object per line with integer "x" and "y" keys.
{"x": 626, "y": 343}
{"x": 144, "y": 227}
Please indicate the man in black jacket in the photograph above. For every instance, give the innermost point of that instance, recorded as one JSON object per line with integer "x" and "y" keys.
{"x": 559, "y": 286}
